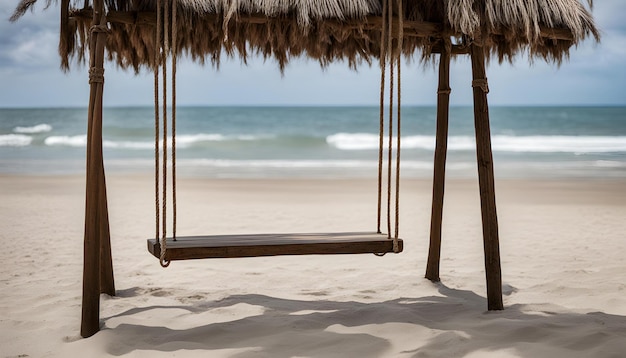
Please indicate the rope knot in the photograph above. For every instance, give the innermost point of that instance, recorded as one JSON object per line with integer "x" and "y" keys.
{"x": 482, "y": 83}
{"x": 396, "y": 245}
{"x": 99, "y": 28}
{"x": 96, "y": 75}
{"x": 165, "y": 262}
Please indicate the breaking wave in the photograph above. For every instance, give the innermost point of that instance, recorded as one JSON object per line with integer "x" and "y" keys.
{"x": 502, "y": 143}
{"x": 39, "y": 128}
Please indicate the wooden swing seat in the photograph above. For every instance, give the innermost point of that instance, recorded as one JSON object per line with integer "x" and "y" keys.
{"x": 231, "y": 246}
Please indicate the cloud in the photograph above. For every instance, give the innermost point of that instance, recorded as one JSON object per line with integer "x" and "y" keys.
{"x": 31, "y": 42}
{"x": 609, "y": 15}
{"x": 34, "y": 52}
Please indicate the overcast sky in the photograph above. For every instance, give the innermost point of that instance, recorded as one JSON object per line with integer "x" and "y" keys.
{"x": 30, "y": 75}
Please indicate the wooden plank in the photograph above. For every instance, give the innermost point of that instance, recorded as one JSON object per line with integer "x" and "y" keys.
{"x": 484, "y": 156}
{"x": 231, "y": 246}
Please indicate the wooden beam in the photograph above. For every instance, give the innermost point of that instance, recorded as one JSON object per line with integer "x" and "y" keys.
{"x": 455, "y": 50}
{"x": 411, "y": 28}
{"x": 439, "y": 175}
{"x": 486, "y": 180}
{"x": 556, "y": 33}
{"x": 148, "y": 18}
{"x": 145, "y": 18}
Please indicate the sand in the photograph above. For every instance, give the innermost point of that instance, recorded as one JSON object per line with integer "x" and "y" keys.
{"x": 562, "y": 245}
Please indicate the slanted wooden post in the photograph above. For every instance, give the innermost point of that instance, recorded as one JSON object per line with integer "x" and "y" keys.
{"x": 486, "y": 179}
{"x": 439, "y": 175}
{"x": 97, "y": 266}
{"x": 107, "y": 282}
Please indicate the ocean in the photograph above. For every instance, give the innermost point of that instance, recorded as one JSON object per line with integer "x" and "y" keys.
{"x": 319, "y": 142}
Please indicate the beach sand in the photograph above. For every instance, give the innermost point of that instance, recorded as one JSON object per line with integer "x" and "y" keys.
{"x": 563, "y": 247}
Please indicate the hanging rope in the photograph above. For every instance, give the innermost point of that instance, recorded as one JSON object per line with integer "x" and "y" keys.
{"x": 399, "y": 118}
{"x": 387, "y": 51}
{"x": 164, "y": 49}
{"x": 157, "y": 123}
{"x": 381, "y": 129}
{"x": 391, "y": 84}
{"x": 174, "y": 51}
{"x": 164, "y": 54}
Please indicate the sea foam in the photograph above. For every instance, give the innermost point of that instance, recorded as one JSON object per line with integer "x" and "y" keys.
{"x": 70, "y": 141}
{"x": 502, "y": 143}
{"x": 15, "y": 140}
{"x": 182, "y": 141}
{"x": 39, "y": 128}
{"x": 366, "y": 141}
{"x": 563, "y": 144}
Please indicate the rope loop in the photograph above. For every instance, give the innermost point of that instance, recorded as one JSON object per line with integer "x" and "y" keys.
{"x": 444, "y": 91}
{"x": 96, "y": 75}
{"x": 99, "y": 28}
{"x": 482, "y": 83}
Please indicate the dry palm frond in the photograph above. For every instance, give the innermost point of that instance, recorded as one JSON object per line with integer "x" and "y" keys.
{"x": 331, "y": 30}
{"x": 23, "y": 6}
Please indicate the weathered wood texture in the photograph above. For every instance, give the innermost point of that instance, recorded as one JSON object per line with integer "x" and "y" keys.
{"x": 486, "y": 180}
{"x": 96, "y": 218}
{"x": 229, "y": 246}
{"x": 410, "y": 28}
{"x": 107, "y": 281}
{"x": 439, "y": 176}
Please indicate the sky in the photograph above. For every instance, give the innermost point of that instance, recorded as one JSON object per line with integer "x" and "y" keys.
{"x": 30, "y": 74}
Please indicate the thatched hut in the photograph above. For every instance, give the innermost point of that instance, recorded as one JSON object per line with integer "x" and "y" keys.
{"x": 140, "y": 34}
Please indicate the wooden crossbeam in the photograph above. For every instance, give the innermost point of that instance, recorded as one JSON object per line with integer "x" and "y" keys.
{"x": 411, "y": 28}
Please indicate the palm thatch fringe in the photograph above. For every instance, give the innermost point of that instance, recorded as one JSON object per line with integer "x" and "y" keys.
{"x": 23, "y": 6}
{"x": 328, "y": 30}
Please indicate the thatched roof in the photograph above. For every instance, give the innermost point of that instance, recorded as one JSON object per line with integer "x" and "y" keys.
{"x": 327, "y": 30}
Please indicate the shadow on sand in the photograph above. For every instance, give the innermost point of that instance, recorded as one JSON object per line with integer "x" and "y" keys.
{"x": 454, "y": 324}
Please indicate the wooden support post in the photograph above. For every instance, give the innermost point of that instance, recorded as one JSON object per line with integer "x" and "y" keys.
{"x": 107, "y": 281}
{"x": 96, "y": 224}
{"x": 486, "y": 180}
{"x": 439, "y": 175}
